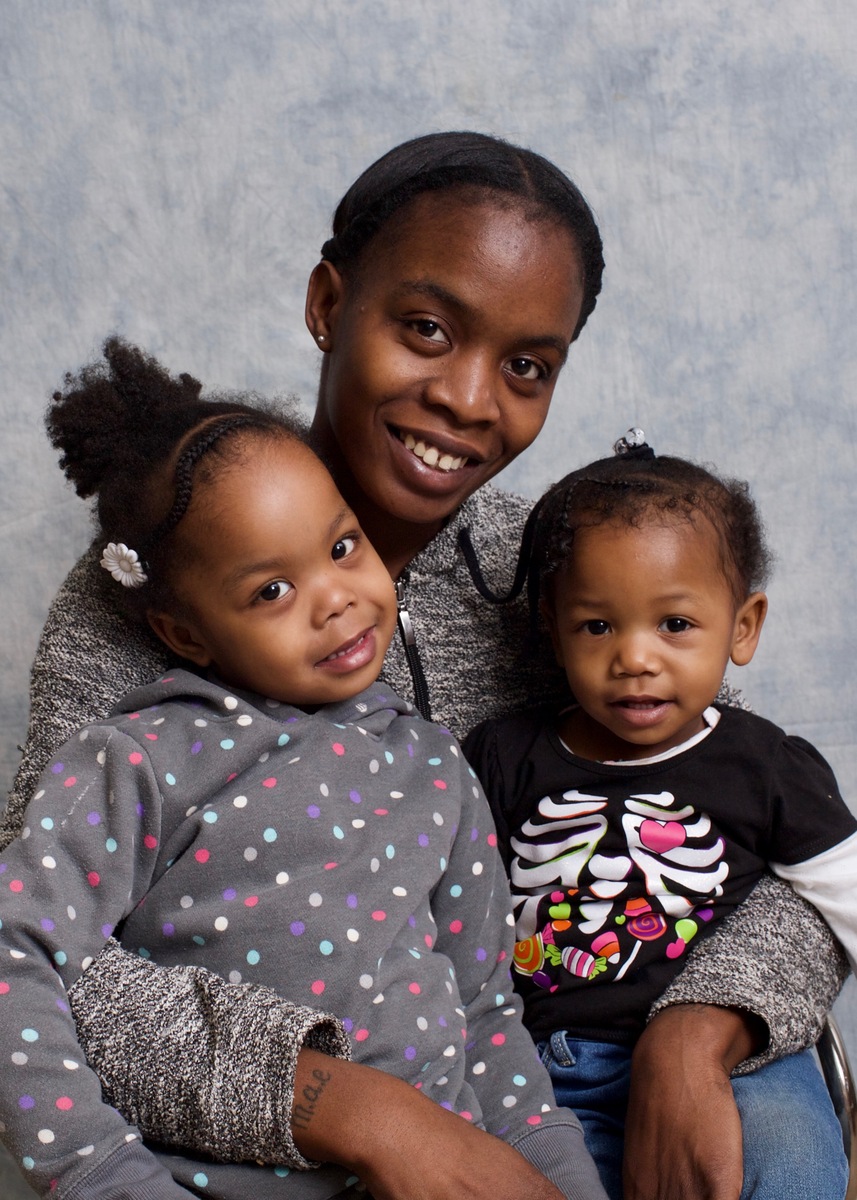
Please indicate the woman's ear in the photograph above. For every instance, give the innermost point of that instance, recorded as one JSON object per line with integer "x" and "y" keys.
{"x": 181, "y": 638}
{"x": 748, "y": 627}
{"x": 323, "y": 297}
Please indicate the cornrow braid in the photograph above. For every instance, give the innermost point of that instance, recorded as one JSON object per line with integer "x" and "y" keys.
{"x": 197, "y": 448}
{"x": 630, "y": 490}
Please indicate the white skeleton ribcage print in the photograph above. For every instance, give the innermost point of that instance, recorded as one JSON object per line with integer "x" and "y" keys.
{"x": 680, "y": 861}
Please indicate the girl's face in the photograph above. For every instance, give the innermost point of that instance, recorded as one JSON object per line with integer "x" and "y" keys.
{"x": 443, "y": 350}
{"x": 644, "y": 622}
{"x": 281, "y": 593}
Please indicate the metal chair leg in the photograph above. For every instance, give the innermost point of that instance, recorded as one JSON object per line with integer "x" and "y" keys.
{"x": 840, "y": 1083}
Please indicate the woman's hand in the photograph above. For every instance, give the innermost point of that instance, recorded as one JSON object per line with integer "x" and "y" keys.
{"x": 683, "y": 1131}
{"x": 402, "y": 1145}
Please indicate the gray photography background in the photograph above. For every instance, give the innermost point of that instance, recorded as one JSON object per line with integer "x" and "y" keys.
{"x": 170, "y": 168}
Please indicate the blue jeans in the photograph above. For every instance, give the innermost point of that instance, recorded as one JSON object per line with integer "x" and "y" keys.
{"x": 792, "y": 1139}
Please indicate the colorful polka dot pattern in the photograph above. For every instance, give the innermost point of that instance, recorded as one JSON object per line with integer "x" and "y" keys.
{"x": 345, "y": 858}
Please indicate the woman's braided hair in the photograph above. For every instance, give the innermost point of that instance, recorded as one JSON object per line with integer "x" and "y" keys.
{"x": 478, "y": 167}
{"x": 119, "y": 421}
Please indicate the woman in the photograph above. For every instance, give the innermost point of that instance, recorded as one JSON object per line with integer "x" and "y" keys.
{"x": 460, "y": 271}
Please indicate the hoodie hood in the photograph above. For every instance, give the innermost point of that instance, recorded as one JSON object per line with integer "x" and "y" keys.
{"x": 373, "y": 709}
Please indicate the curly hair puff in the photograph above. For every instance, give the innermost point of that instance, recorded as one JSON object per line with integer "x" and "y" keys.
{"x": 119, "y": 424}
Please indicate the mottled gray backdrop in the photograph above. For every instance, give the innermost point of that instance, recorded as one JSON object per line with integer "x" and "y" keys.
{"x": 169, "y": 168}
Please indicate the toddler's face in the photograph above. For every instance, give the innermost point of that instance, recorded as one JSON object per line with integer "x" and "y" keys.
{"x": 644, "y": 622}
{"x": 283, "y": 594}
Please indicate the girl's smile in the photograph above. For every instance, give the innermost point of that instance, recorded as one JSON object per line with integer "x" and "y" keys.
{"x": 281, "y": 592}
{"x": 352, "y": 655}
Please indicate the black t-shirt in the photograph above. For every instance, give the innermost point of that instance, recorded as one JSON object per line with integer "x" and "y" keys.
{"x": 617, "y": 869}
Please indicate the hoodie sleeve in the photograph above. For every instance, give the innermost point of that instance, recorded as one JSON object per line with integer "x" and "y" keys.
{"x": 84, "y": 859}
{"x": 472, "y": 907}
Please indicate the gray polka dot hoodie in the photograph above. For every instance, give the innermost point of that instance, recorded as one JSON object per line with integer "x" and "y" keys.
{"x": 344, "y": 857}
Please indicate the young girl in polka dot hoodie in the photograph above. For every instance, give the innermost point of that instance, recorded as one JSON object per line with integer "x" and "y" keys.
{"x": 268, "y": 811}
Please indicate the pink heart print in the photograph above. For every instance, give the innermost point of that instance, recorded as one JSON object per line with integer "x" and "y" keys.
{"x": 660, "y": 836}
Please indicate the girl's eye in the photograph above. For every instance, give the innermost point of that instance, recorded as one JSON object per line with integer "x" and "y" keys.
{"x": 527, "y": 368}
{"x": 275, "y": 590}
{"x": 343, "y": 548}
{"x": 675, "y": 625}
{"x": 430, "y": 330}
{"x": 596, "y": 628}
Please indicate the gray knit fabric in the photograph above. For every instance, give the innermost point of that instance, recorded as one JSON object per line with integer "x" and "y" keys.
{"x": 774, "y": 957}
{"x": 194, "y": 1017}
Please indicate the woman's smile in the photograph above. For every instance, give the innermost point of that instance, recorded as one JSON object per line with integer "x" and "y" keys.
{"x": 441, "y": 361}
{"x": 431, "y": 461}
{"x": 431, "y": 455}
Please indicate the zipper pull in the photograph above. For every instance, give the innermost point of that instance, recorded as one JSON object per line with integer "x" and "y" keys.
{"x": 412, "y": 651}
{"x": 404, "y": 617}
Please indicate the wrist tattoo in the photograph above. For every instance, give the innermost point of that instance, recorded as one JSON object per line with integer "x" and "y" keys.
{"x": 304, "y": 1112}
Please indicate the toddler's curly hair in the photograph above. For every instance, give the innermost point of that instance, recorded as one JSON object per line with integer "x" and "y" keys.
{"x": 119, "y": 423}
{"x": 635, "y": 489}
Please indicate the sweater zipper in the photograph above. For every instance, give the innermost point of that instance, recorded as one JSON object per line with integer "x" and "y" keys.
{"x": 412, "y": 654}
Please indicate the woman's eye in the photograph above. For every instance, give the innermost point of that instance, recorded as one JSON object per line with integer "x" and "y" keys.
{"x": 527, "y": 368}
{"x": 275, "y": 590}
{"x": 675, "y": 625}
{"x": 430, "y": 330}
{"x": 343, "y": 548}
{"x": 596, "y": 628}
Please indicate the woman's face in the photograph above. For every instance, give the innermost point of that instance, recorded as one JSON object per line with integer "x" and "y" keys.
{"x": 443, "y": 350}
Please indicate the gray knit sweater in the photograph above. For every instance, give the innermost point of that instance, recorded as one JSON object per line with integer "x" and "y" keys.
{"x": 775, "y": 957}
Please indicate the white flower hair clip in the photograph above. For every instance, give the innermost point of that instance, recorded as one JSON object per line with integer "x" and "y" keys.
{"x": 124, "y": 565}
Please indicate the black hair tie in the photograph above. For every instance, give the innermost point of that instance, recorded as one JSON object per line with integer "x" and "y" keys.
{"x": 633, "y": 444}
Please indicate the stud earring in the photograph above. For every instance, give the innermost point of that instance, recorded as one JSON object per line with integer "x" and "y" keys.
{"x": 321, "y": 339}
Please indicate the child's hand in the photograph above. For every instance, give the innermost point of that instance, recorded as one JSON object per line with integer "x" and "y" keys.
{"x": 683, "y": 1131}
{"x": 402, "y": 1145}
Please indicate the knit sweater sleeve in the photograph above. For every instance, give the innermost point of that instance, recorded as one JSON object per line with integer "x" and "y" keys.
{"x": 224, "y": 1055}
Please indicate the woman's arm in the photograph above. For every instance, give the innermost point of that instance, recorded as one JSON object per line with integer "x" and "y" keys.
{"x": 235, "y": 1071}
{"x": 774, "y": 957}
{"x": 758, "y": 989}
{"x": 196, "y": 1062}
